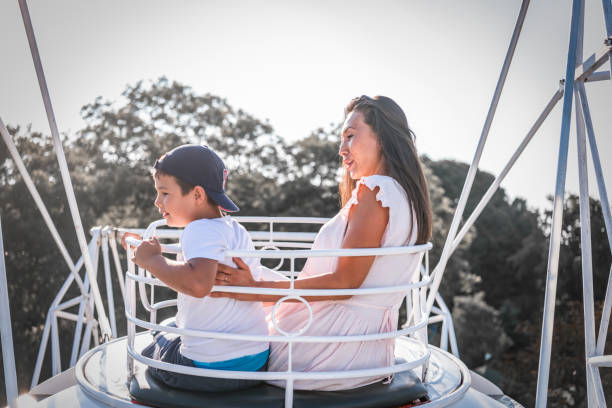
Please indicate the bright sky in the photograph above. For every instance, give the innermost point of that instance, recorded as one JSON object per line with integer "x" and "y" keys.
{"x": 299, "y": 63}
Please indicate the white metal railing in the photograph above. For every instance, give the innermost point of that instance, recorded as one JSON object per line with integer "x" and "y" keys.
{"x": 105, "y": 238}
{"x": 417, "y": 320}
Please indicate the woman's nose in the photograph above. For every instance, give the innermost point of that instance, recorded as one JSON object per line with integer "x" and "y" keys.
{"x": 343, "y": 149}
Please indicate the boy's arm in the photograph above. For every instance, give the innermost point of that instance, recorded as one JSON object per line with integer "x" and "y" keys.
{"x": 194, "y": 277}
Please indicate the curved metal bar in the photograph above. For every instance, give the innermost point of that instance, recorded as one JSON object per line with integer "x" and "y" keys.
{"x": 298, "y": 292}
{"x": 305, "y": 253}
{"x": 282, "y": 220}
{"x": 285, "y": 338}
{"x": 151, "y": 229}
{"x": 61, "y": 158}
{"x": 321, "y": 253}
{"x": 281, "y": 375}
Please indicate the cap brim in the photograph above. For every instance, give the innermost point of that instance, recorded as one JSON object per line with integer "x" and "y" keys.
{"x": 223, "y": 201}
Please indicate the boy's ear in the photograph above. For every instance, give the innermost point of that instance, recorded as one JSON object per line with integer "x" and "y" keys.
{"x": 199, "y": 194}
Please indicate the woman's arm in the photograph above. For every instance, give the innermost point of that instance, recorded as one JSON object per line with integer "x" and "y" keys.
{"x": 365, "y": 228}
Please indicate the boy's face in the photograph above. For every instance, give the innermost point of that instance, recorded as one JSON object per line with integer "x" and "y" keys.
{"x": 177, "y": 209}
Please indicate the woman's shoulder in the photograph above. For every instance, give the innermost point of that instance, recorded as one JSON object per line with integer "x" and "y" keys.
{"x": 390, "y": 192}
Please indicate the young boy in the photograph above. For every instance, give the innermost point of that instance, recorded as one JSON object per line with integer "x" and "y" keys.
{"x": 190, "y": 183}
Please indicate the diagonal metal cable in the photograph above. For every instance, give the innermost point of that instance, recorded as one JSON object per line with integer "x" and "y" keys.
{"x": 467, "y": 186}
{"x": 42, "y": 208}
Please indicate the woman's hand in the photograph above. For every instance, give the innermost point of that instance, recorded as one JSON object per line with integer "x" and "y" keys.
{"x": 241, "y": 276}
{"x": 228, "y": 276}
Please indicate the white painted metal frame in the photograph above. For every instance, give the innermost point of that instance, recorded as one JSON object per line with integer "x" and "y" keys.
{"x": 417, "y": 319}
{"x": 63, "y": 166}
{"x": 103, "y": 238}
{"x": 85, "y": 329}
{"x": 578, "y": 72}
{"x": 6, "y": 334}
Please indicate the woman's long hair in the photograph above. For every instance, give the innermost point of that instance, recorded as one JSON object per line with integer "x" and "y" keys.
{"x": 402, "y": 163}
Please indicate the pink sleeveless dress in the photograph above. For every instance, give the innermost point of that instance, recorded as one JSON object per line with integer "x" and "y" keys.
{"x": 364, "y": 314}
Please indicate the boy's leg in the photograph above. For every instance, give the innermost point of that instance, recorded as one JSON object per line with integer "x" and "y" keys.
{"x": 166, "y": 348}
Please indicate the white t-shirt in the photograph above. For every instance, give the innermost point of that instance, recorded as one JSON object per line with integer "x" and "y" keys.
{"x": 210, "y": 238}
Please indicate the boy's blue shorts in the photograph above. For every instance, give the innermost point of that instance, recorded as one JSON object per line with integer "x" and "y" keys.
{"x": 166, "y": 346}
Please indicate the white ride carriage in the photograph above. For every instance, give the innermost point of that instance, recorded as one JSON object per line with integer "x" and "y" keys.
{"x": 114, "y": 373}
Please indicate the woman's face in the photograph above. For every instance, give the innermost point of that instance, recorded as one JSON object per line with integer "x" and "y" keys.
{"x": 360, "y": 148}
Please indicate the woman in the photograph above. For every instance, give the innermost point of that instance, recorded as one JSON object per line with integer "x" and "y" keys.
{"x": 385, "y": 202}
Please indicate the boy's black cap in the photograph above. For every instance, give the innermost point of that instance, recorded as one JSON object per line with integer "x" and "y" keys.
{"x": 199, "y": 166}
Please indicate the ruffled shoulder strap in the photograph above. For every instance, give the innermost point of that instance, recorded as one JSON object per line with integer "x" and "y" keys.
{"x": 391, "y": 195}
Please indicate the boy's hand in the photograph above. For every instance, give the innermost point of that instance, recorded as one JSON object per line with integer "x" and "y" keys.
{"x": 126, "y": 235}
{"x": 146, "y": 252}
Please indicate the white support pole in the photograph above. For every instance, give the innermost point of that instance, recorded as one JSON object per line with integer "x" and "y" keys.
{"x": 496, "y": 183}
{"x": 117, "y": 262}
{"x": 130, "y": 310}
{"x": 289, "y": 384}
{"x": 601, "y": 185}
{"x": 107, "y": 278}
{"x": 605, "y": 209}
{"x": 61, "y": 158}
{"x": 56, "y": 363}
{"x": 585, "y": 247}
{"x": 585, "y": 220}
{"x": 41, "y": 351}
{"x": 557, "y": 217}
{"x": 45, "y": 337}
{"x": 467, "y": 186}
{"x": 599, "y": 397}
{"x": 605, "y": 317}
{"x": 6, "y": 332}
{"x": 91, "y": 329}
{"x": 607, "y": 12}
{"x": 448, "y": 318}
{"x": 78, "y": 330}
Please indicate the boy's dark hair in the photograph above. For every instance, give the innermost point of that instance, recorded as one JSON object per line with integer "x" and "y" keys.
{"x": 185, "y": 186}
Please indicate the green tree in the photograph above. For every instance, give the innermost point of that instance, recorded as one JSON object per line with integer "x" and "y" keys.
{"x": 122, "y": 140}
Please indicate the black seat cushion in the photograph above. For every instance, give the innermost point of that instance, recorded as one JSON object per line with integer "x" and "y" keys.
{"x": 404, "y": 388}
